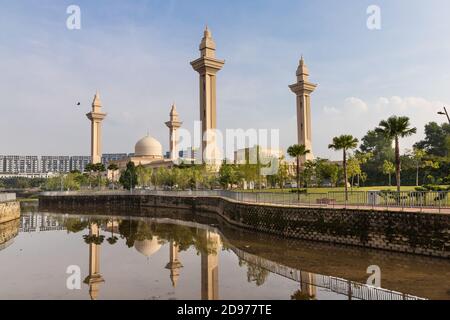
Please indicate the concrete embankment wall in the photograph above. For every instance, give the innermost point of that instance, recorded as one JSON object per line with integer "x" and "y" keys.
{"x": 418, "y": 233}
{"x": 9, "y": 211}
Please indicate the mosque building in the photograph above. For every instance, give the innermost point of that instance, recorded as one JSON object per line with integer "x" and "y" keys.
{"x": 148, "y": 150}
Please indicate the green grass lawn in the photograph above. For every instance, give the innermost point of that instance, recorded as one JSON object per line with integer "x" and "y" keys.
{"x": 339, "y": 189}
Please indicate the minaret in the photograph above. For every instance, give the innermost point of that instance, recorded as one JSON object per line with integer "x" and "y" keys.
{"x": 94, "y": 279}
{"x": 96, "y": 117}
{"x": 174, "y": 124}
{"x": 207, "y": 66}
{"x": 303, "y": 89}
{"x": 174, "y": 264}
{"x": 210, "y": 266}
{"x": 308, "y": 284}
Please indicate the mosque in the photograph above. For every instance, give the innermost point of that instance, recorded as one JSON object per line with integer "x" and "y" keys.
{"x": 148, "y": 150}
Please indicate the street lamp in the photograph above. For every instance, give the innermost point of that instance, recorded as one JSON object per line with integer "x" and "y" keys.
{"x": 445, "y": 113}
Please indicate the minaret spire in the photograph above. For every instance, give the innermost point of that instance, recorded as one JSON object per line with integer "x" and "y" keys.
{"x": 173, "y": 124}
{"x": 303, "y": 89}
{"x": 174, "y": 264}
{"x": 207, "y": 66}
{"x": 96, "y": 117}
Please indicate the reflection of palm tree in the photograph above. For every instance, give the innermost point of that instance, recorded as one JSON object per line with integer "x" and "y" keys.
{"x": 93, "y": 239}
{"x": 299, "y": 295}
{"x": 113, "y": 239}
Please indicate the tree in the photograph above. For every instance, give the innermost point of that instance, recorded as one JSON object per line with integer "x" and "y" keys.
{"x": 388, "y": 169}
{"x": 395, "y": 128}
{"x": 436, "y": 139}
{"x": 113, "y": 168}
{"x": 296, "y": 151}
{"x": 344, "y": 143}
{"x": 324, "y": 169}
{"x": 128, "y": 179}
{"x": 282, "y": 175}
{"x": 353, "y": 169}
{"x": 228, "y": 175}
{"x": 418, "y": 155}
{"x": 363, "y": 158}
{"x": 144, "y": 175}
{"x": 309, "y": 171}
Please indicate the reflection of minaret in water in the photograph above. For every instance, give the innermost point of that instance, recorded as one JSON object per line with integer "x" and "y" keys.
{"x": 174, "y": 264}
{"x": 95, "y": 278}
{"x": 308, "y": 284}
{"x": 210, "y": 266}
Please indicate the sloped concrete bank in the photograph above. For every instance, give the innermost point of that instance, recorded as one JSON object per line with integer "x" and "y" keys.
{"x": 417, "y": 233}
{"x": 9, "y": 210}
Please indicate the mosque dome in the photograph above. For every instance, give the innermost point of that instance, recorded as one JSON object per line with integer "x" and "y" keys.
{"x": 147, "y": 247}
{"x": 148, "y": 146}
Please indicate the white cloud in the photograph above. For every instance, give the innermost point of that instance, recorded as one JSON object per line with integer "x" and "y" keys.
{"x": 356, "y": 116}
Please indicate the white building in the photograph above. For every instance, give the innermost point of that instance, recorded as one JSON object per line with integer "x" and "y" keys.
{"x": 251, "y": 155}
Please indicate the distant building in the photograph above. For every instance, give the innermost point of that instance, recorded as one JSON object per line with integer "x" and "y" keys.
{"x": 109, "y": 157}
{"x": 45, "y": 166}
{"x": 55, "y": 164}
{"x": 251, "y": 155}
{"x": 19, "y": 164}
{"x": 78, "y": 163}
{"x": 190, "y": 155}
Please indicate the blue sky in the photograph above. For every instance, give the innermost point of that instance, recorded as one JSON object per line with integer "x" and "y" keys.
{"x": 137, "y": 54}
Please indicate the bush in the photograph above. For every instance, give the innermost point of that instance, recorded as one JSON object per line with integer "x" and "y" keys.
{"x": 301, "y": 191}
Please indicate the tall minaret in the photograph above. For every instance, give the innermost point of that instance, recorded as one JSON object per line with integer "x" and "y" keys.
{"x": 303, "y": 89}
{"x": 207, "y": 66}
{"x": 174, "y": 124}
{"x": 96, "y": 117}
{"x": 210, "y": 266}
{"x": 174, "y": 264}
{"x": 94, "y": 279}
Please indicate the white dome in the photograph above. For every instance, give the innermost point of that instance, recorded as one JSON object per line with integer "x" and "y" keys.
{"x": 148, "y": 146}
{"x": 147, "y": 247}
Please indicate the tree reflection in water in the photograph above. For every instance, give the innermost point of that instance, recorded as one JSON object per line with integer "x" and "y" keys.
{"x": 255, "y": 273}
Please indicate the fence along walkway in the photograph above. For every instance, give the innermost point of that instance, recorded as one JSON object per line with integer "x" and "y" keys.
{"x": 412, "y": 201}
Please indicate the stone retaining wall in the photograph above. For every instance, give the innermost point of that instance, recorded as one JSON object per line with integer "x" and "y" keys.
{"x": 418, "y": 233}
{"x": 9, "y": 211}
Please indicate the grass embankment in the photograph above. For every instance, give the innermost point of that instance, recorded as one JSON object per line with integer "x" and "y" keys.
{"x": 339, "y": 189}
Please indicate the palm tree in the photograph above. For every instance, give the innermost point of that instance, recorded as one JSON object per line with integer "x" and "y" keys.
{"x": 297, "y": 151}
{"x": 344, "y": 142}
{"x": 113, "y": 167}
{"x": 395, "y": 128}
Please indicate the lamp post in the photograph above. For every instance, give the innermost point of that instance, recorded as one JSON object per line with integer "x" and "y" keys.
{"x": 445, "y": 113}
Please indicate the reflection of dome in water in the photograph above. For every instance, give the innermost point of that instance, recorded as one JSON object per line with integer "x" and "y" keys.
{"x": 148, "y": 146}
{"x": 147, "y": 247}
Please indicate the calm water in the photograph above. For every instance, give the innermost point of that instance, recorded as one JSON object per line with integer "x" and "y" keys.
{"x": 161, "y": 258}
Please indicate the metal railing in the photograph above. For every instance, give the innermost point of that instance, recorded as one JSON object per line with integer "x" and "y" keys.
{"x": 4, "y": 197}
{"x": 433, "y": 201}
{"x": 351, "y": 289}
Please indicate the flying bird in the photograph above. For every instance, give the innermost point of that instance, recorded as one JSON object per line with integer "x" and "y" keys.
{"x": 78, "y": 104}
